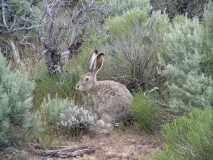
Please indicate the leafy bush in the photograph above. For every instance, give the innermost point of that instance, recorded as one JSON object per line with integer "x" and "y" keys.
{"x": 126, "y": 15}
{"x": 157, "y": 23}
{"x": 189, "y": 137}
{"x": 208, "y": 17}
{"x": 62, "y": 115}
{"x": 208, "y": 47}
{"x": 119, "y": 26}
{"x": 144, "y": 111}
{"x": 15, "y": 103}
{"x": 181, "y": 60}
{"x": 76, "y": 119}
{"x": 51, "y": 109}
{"x": 4, "y": 120}
{"x": 51, "y": 85}
{"x": 132, "y": 60}
{"x": 121, "y": 6}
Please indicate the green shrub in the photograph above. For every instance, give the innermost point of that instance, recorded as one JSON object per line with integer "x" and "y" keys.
{"x": 121, "y": 6}
{"x": 51, "y": 85}
{"x": 15, "y": 102}
{"x": 120, "y": 26}
{"x": 133, "y": 59}
{"x": 63, "y": 116}
{"x": 127, "y": 14}
{"x": 144, "y": 111}
{"x": 208, "y": 17}
{"x": 157, "y": 23}
{"x": 50, "y": 111}
{"x": 181, "y": 61}
{"x": 189, "y": 137}
{"x": 208, "y": 39}
{"x": 51, "y": 108}
{"x": 179, "y": 19}
{"x": 4, "y": 120}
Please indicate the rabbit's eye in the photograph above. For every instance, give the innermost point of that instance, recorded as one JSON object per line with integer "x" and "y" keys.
{"x": 86, "y": 79}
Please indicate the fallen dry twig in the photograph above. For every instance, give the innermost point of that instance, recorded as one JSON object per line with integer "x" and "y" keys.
{"x": 62, "y": 151}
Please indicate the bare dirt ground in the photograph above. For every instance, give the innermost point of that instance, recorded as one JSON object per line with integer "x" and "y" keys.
{"x": 130, "y": 143}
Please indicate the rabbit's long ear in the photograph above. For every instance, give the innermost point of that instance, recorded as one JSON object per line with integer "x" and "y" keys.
{"x": 92, "y": 58}
{"x": 98, "y": 63}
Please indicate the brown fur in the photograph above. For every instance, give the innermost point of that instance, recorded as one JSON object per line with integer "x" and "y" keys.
{"x": 108, "y": 99}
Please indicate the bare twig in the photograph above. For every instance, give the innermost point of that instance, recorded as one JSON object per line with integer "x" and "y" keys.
{"x": 61, "y": 26}
{"x": 62, "y": 151}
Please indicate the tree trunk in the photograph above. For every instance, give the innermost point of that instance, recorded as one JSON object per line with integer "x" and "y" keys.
{"x": 15, "y": 51}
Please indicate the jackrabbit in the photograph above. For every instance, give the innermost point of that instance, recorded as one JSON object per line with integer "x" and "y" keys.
{"x": 109, "y": 99}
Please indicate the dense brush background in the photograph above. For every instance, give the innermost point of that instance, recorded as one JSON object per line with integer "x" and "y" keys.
{"x": 161, "y": 50}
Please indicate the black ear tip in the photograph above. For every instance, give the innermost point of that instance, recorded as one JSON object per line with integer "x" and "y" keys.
{"x": 102, "y": 54}
{"x": 95, "y": 50}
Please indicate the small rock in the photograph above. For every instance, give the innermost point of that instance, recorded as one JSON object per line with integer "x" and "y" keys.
{"x": 110, "y": 154}
{"x": 133, "y": 141}
{"x": 105, "y": 132}
{"x": 124, "y": 155}
{"x": 140, "y": 147}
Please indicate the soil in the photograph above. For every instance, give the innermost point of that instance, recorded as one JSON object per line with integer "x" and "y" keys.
{"x": 124, "y": 143}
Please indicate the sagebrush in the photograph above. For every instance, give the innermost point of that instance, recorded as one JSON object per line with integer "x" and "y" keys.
{"x": 76, "y": 119}
{"x": 63, "y": 116}
{"x": 132, "y": 59}
{"x": 15, "y": 103}
{"x": 187, "y": 85}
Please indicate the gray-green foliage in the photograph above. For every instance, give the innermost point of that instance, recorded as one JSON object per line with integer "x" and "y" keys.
{"x": 4, "y": 121}
{"x": 189, "y": 137}
{"x": 208, "y": 18}
{"x": 186, "y": 84}
{"x": 131, "y": 53}
{"x": 51, "y": 109}
{"x": 131, "y": 13}
{"x": 15, "y": 102}
{"x": 208, "y": 22}
{"x": 76, "y": 118}
{"x": 63, "y": 112}
{"x": 120, "y": 26}
{"x": 157, "y": 23}
{"x": 121, "y": 6}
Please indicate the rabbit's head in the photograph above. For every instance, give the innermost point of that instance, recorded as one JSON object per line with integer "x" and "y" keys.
{"x": 95, "y": 63}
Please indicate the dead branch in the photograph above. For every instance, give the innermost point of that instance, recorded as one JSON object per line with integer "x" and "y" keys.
{"x": 62, "y": 151}
{"x": 61, "y": 26}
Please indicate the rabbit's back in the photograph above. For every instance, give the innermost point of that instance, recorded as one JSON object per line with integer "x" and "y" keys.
{"x": 110, "y": 100}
